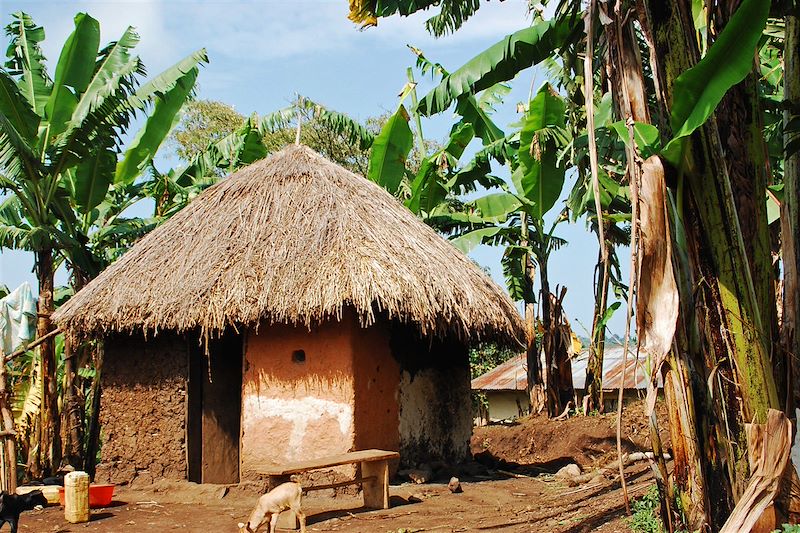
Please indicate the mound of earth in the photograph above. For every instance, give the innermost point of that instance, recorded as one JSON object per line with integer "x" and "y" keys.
{"x": 538, "y": 444}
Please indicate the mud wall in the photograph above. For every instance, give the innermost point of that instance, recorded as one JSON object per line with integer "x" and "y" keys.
{"x": 298, "y": 398}
{"x": 377, "y": 381}
{"x": 143, "y": 409}
{"x": 434, "y": 398}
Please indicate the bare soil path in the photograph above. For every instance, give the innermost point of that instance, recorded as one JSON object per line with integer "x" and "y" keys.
{"x": 515, "y": 492}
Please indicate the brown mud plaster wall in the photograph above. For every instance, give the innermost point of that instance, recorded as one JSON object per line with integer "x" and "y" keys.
{"x": 295, "y": 409}
{"x": 143, "y": 409}
{"x": 377, "y": 380}
{"x": 434, "y": 399}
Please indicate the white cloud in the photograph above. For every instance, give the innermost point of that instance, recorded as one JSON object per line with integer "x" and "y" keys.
{"x": 258, "y": 33}
{"x": 264, "y": 31}
{"x": 157, "y": 43}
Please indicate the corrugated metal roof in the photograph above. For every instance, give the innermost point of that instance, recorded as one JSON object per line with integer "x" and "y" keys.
{"x": 512, "y": 375}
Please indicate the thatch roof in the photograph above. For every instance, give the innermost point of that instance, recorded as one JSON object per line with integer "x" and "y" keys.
{"x": 293, "y": 238}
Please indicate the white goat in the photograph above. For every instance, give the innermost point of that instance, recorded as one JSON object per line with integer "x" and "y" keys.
{"x": 270, "y": 505}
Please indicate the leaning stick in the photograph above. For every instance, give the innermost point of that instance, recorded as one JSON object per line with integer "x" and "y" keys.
{"x": 32, "y": 345}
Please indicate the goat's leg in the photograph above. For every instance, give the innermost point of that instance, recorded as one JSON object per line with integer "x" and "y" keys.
{"x": 302, "y": 517}
{"x": 273, "y": 522}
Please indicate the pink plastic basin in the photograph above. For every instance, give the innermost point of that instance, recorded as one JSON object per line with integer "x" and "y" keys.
{"x": 100, "y": 494}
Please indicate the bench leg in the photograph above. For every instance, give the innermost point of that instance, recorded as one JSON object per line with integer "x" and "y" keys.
{"x": 288, "y": 520}
{"x": 376, "y": 491}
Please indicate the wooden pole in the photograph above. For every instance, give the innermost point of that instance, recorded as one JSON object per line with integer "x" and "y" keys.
{"x": 8, "y": 435}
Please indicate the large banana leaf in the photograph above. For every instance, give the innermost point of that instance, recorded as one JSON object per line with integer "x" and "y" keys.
{"x": 14, "y": 230}
{"x": 539, "y": 177}
{"x": 496, "y": 207}
{"x": 113, "y": 71}
{"x": 339, "y": 123}
{"x": 427, "y": 191}
{"x": 92, "y": 178}
{"x": 16, "y": 109}
{"x": 167, "y": 80}
{"x": 27, "y": 61}
{"x": 468, "y": 241}
{"x": 472, "y": 113}
{"x": 242, "y": 146}
{"x": 699, "y": 90}
{"x": 73, "y": 72}
{"x": 16, "y": 157}
{"x": 451, "y": 16}
{"x": 163, "y": 118}
{"x": 387, "y": 160}
{"x": 513, "y": 263}
{"x": 500, "y": 62}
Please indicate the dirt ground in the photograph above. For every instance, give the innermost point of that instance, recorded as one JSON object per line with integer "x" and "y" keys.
{"x": 510, "y": 489}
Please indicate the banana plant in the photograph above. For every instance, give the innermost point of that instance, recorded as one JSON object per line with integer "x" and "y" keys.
{"x": 515, "y": 218}
{"x": 59, "y": 140}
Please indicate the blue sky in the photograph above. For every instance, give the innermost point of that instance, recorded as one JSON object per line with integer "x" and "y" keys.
{"x": 263, "y": 52}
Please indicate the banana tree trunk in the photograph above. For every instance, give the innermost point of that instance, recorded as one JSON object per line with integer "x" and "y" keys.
{"x": 536, "y": 390}
{"x": 551, "y": 385}
{"x": 536, "y": 394}
{"x": 594, "y": 367}
{"x": 49, "y": 450}
{"x": 790, "y": 211}
{"x": 72, "y": 412}
{"x": 734, "y": 333}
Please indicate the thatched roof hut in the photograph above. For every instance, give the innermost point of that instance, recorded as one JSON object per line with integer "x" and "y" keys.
{"x": 293, "y": 238}
{"x": 336, "y": 318}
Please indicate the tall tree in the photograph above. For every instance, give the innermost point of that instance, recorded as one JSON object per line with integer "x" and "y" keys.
{"x": 59, "y": 139}
{"x": 341, "y": 139}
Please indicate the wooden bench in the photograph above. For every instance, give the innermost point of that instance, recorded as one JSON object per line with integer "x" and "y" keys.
{"x": 374, "y": 478}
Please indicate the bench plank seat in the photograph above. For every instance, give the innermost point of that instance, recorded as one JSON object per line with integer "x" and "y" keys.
{"x": 374, "y": 478}
{"x": 327, "y": 462}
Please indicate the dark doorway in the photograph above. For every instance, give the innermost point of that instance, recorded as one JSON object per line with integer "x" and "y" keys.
{"x": 214, "y": 410}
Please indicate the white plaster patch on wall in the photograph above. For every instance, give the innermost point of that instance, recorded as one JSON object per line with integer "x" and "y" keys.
{"x": 300, "y": 412}
{"x": 435, "y": 412}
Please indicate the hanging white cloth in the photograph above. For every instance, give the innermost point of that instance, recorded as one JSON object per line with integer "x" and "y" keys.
{"x": 17, "y": 318}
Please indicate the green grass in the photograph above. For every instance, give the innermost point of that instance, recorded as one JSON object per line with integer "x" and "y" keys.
{"x": 645, "y": 517}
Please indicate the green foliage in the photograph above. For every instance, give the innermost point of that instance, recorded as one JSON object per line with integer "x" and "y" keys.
{"x": 452, "y": 13}
{"x": 645, "y": 517}
{"x": 500, "y": 62}
{"x": 208, "y": 123}
{"x": 60, "y": 137}
{"x": 387, "y": 163}
{"x": 541, "y": 177}
{"x": 485, "y": 356}
{"x": 789, "y": 528}
{"x": 202, "y": 123}
{"x": 698, "y": 90}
